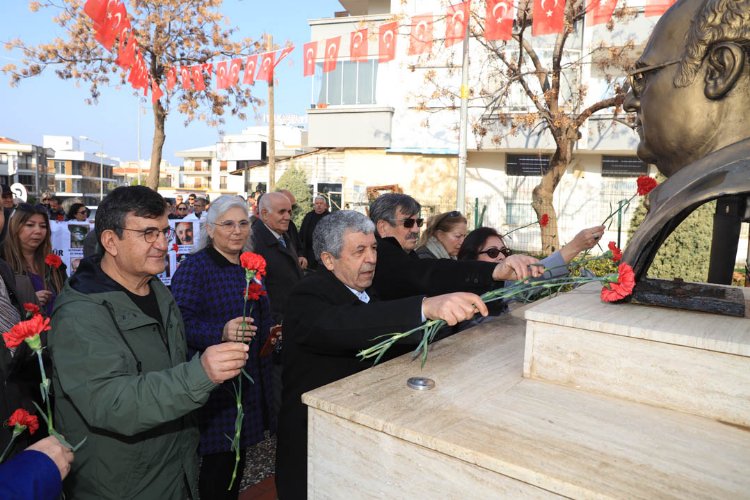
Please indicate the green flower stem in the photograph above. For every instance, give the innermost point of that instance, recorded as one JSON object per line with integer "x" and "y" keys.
{"x": 10, "y": 444}
{"x": 522, "y": 290}
{"x": 618, "y": 209}
{"x": 45, "y": 392}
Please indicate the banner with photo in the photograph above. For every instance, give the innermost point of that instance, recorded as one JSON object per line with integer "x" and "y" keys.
{"x": 67, "y": 243}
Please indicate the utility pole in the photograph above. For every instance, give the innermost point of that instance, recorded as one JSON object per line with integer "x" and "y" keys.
{"x": 271, "y": 149}
{"x": 463, "y": 125}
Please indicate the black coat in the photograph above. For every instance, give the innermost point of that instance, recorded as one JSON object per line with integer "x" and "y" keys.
{"x": 399, "y": 274}
{"x": 324, "y": 328}
{"x": 306, "y": 234}
{"x": 282, "y": 267}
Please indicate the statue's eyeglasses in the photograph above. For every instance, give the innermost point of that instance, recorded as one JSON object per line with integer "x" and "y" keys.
{"x": 637, "y": 77}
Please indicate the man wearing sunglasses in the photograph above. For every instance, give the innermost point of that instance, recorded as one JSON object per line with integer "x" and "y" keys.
{"x": 690, "y": 91}
{"x": 121, "y": 378}
{"x": 401, "y": 273}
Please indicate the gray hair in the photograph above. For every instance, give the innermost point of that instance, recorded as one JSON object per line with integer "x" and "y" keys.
{"x": 329, "y": 233}
{"x": 385, "y": 206}
{"x": 716, "y": 21}
{"x": 320, "y": 197}
{"x": 219, "y": 207}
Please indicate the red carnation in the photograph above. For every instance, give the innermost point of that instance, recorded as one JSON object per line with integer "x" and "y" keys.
{"x": 544, "y": 220}
{"x": 27, "y": 331}
{"x": 21, "y": 419}
{"x": 53, "y": 260}
{"x": 31, "y": 309}
{"x": 254, "y": 291}
{"x": 175, "y": 247}
{"x": 253, "y": 262}
{"x": 646, "y": 184}
{"x": 623, "y": 287}
{"x": 616, "y": 252}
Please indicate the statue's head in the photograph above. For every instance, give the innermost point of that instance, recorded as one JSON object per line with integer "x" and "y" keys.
{"x": 690, "y": 88}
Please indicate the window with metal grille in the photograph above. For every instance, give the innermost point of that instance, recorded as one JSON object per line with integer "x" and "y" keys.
{"x": 526, "y": 165}
{"x": 623, "y": 166}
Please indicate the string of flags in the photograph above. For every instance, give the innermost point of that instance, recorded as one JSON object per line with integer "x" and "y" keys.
{"x": 112, "y": 26}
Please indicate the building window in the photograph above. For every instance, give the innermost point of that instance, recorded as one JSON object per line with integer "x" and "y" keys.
{"x": 77, "y": 186}
{"x": 223, "y": 166}
{"x": 623, "y": 166}
{"x": 526, "y": 165}
{"x": 59, "y": 167}
{"x": 223, "y": 182}
{"x": 197, "y": 164}
{"x": 350, "y": 83}
{"x": 332, "y": 191}
{"x": 60, "y": 186}
{"x": 77, "y": 168}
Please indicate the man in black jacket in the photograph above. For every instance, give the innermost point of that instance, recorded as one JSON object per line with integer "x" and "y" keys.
{"x": 320, "y": 210}
{"x": 400, "y": 273}
{"x": 330, "y": 316}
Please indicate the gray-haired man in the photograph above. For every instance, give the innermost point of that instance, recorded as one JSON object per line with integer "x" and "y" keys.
{"x": 329, "y": 317}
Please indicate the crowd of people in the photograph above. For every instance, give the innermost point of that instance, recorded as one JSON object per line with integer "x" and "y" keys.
{"x": 148, "y": 374}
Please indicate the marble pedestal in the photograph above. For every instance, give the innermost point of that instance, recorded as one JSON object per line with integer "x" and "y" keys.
{"x": 619, "y": 402}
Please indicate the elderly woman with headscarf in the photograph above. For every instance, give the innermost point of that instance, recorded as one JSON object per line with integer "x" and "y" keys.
{"x": 209, "y": 288}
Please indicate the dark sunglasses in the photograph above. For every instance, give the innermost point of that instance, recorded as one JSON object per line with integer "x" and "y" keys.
{"x": 493, "y": 252}
{"x": 409, "y": 223}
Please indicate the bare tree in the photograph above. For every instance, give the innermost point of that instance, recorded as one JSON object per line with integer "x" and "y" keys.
{"x": 170, "y": 34}
{"x": 548, "y": 79}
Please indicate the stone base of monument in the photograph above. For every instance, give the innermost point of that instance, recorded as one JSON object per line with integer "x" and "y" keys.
{"x": 583, "y": 400}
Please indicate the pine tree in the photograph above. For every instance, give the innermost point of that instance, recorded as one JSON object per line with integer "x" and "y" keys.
{"x": 295, "y": 180}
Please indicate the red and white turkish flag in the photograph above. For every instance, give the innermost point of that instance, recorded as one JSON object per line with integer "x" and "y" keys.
{"x": 138, "y": 77}
{"x": 657, "y": 7}
{"x": 250, "y": 64}
{"x": 358, "y": 45}
{"x": 171, "y": 78}
{"x": 196, "y": 73}
{"x": 310, "y": 50}
{"x": 233, "y": 78}
{"x": 548, "y": 17}
{"x": 332, "y": 54}
{"x": 96, "y": 10}
{"x": 599, "y": 11}
{"x": 115, "y": 22}
{"x": 456, "y": 20}
{"x": 387, "y": 41}
{"x": 156, "y": 92}
{"x": 186, "y": 80}
{"x": 420, "y": 41}
{"x": 126, "y": 49}
{"x": 222, "y": 75}
{"x": 284, "y": 52}
{"x": 265, "y": 70}
{"x": 498, "y": 23}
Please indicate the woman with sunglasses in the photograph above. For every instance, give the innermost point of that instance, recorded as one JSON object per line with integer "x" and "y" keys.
{"x": 485, "y": 244}
{"x": 209, "y": 290}
{"x": 443, "y": 236}
{"x": 180, "y": 211}
{"x": 27, "y": 245}
{"x": 77, "y": 212}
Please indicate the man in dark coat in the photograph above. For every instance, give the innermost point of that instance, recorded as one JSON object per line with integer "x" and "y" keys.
{"x": 271, "y": 240}
{"x": 400, "y": 273}
{"x": 332, "y": 318}
{"x": 320, "y": 210}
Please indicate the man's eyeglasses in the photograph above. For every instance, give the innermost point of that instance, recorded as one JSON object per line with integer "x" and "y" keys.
{"x": 230, "y": 225}
{"x": 637, "y": 77}
{"x": 151, "y": 234}
{"x": 182, "y": 208}
{"x": 493, "y": 252}
{"x": 409, "y": 223}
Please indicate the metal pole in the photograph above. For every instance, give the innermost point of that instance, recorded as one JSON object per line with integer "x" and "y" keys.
{"x": 271, "y": 150}
{"x": 101, "y": 171}
{"x": 463, "y": 124}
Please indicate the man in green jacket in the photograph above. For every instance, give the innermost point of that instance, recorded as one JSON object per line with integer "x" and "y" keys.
{"x": 121, "y": 378}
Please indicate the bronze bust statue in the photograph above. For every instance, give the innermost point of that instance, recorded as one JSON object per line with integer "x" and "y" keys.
{"x": 690, "y": 91}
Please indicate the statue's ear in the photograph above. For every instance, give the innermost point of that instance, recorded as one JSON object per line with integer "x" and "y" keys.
{"x": 725, "y": 62}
